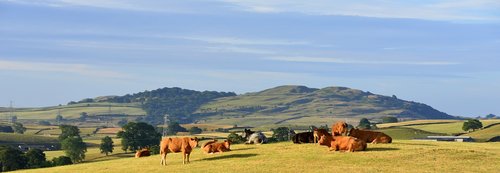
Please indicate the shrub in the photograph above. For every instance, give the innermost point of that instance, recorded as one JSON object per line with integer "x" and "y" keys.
{"x": 235, "y": 138}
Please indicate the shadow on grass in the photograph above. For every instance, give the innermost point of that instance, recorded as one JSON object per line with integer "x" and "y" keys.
{"x": 381, "y": 149}
{"x": 417, "y": 144}
{"x": 110, "y": 157}
{"x": 229, "y": 156}
{"x": 242, "y": 149}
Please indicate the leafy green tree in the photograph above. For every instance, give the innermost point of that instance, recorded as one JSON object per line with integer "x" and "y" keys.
{"x": 472, "y": 124}
{"x": 13, "y": 119}
{"x": 74, "y": 148}
{"x": 195, "y": 130}
{"x": 68, "y": 131}
{"x": 138, "y": 135}
{"x": 174, "y": 127}
{"x": 61, "y": 160}
{"x": 83, "y": 116}
{"x": 19, "y": 128}
{"x": 364, "y": 123}
{"x": 106, "y": 145}
{"x": 389, "y": 120}
{"x": 11, "y": 159}
{"x": 235, "y": 138}
{"x": 36, "y": 158}
{"x": 281, "y": 134}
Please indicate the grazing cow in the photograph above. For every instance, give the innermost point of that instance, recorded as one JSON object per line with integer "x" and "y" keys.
{"x": 304, "y": 137}
{"x": 339, "y": 128}
{"x": 257, "y": 138}
{"x": 370, "y": 136}
{"x": 318, "y": 133}
{"x": 213, "y": 146}
{"x": 142, "y": 153}
{"x": 175, "y": 145}
{"x": 343, "y": 143}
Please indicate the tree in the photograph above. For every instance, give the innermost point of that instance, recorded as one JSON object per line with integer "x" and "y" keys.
{"x": 195, "y": 130}
{"x": 174, "y": 127}
{"x": 364, "y": 123}
{"x": 472, "y": 124}
{"x": 389, "y": 120}
{"x": 68, "y": 131}
{"x": 11, "y": 159}
{"x": 61, "y": 160}
{"x": 36, "y": 158}
{"x": 106, "y": 145}
{"x": 19, "y": 128}
{"x": 138, "y": 135}
{"x": 281, "y": 134}
{"x": 490, "y": 116}
{"x": 155, "y": 149}
{"x": 74, "y": 148}
{"x": 235, "y": 138}
{"x": 83, "y": 116}
{"x": 6, "y": 129}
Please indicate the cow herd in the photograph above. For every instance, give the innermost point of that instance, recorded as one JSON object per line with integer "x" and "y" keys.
{"x": 340, "y": 139}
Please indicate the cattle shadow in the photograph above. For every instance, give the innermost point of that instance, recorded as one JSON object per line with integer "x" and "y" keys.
{"x": 230, "y": 156}
{"x": 417, "y": 144}
{"x": 382, "y": 149}
{"x": 242, "y": 149}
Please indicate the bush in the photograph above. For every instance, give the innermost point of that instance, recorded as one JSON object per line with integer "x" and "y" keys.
{"x": 235, "y": 138}
{"x": 364, "y": 123}
{"x": 155, "y": 149}
{"x": 389, "y": 120}
{"x": 36, "y": 158}
{"x": 281, "y": 134}
{"x": 62, "y": 160}
{"x": 19, "y": 128}
{"x": 195, "y": 130}
{"x": 11, "y": 159}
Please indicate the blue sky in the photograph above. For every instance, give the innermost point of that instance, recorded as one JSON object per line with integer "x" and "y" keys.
{"x": 440, "y": 52}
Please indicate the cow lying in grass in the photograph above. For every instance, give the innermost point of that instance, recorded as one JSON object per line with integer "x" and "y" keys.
{"x": 175, "y": 145}
{"x": 343, "y": 143}
{"x": 339, "y": 129}
{"x": 318, "y": 133}
{"x": 142, "y": 153}
{"x": 213, "y": 146}
{"x": 370, "y": 136}
{"x": 304, "y": 137}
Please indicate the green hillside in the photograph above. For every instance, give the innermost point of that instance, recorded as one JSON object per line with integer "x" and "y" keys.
{"x": 292, "y": 103}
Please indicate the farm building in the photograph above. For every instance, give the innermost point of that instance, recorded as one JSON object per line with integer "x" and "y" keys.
{"x": 448, "y": 138}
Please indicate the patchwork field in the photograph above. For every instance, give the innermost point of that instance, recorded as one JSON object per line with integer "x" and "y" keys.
{"x": 401, "y": 156}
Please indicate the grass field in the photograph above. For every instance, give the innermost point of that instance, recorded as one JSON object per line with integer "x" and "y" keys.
{"x": 25, "y": 138}
{"x": 73, "y": 111}
{"x": 485, "y": 134}
{"x": 406, "y": 133}
{"x": 415, "y": 122}
{"x": 400, "y": 156}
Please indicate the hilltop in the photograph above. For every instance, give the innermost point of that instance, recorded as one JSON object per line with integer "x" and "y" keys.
{"x": 295, "y": 103}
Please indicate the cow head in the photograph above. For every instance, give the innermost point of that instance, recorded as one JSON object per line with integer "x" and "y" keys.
{"x": 247, "y": 133}
{"x": 193, "y": 142}
{"x": 227, "y": 144}
{"x": 325, "y": 140}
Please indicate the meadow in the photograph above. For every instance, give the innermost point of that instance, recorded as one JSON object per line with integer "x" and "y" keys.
{"x": 400, "y": 156}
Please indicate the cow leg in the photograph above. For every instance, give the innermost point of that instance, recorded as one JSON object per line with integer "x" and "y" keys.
{"x": 183, "y": 158}
{"x": 163, "y": 159}
{"x": 188, "y": 154}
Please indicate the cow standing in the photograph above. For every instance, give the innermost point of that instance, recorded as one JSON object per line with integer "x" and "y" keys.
{"x": 175, "y": 145}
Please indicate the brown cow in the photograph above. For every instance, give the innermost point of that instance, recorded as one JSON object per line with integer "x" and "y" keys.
{"x": 175, "y": 145}
{"x": 318, "y": 133}
{"x": 213, "y": 147}
{"x": 339, "y": 128}
{"x": 142, "y": 153}
{"x": 370, "y": 136}
{"x": 347, "y": 143}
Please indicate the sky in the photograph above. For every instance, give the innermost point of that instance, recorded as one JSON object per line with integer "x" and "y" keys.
{"x": 444, "y": 53}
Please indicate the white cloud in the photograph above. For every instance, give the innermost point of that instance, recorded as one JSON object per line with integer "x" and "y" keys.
{"x": 243, "y": 41}
{"x": 351, "y": 61}
{"x": 79, "y": 69}
{"x": 439, "y": 10}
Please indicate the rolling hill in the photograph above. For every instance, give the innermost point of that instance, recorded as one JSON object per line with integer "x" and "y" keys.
{"x": 285, "y": 104}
